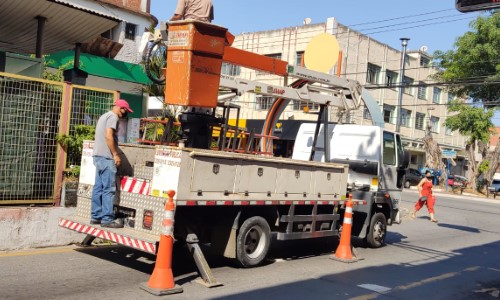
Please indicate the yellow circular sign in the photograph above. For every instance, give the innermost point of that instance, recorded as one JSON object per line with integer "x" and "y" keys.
{"x": 322, "y": 53}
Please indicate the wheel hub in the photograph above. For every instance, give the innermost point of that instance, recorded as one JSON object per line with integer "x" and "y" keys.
{"x": 254, "y": 243}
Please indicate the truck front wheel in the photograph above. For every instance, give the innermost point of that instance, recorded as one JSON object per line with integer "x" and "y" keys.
{"x": 377, "y": 231}
{"x": 253, "y": 241}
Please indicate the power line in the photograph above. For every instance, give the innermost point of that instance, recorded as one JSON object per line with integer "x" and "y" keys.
{"x": 403, "y": 17}
{"x": 349, "y": 31}
{"x": 411, "y": 22}
{"x": 435, "y": 23}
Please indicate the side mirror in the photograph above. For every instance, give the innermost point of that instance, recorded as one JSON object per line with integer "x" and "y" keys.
{"x": 405, "y": 160}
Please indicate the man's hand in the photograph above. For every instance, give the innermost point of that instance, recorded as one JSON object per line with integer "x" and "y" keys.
{"x": 117, "y": 159}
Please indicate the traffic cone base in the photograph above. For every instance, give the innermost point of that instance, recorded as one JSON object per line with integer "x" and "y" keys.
{"x": 344, "y": 255}
{"x": 161, "y": 292}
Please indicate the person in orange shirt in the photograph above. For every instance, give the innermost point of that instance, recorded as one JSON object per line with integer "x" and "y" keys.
{"x": 425, "y": 196}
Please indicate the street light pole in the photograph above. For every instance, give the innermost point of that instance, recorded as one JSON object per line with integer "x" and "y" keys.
{"x": 404, "y": 43}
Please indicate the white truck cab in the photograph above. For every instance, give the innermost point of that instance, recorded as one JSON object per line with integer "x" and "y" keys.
{"x": 376, "y": 160}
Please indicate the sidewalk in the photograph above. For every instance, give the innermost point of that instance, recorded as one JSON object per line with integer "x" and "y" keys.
{"x": 469, "y": 196}
{"x": 34, "y": 227}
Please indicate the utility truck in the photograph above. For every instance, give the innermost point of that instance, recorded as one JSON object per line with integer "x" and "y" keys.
{"x": 235, "y": 196}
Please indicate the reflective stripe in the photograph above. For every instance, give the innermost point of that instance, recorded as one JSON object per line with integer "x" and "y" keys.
{"x": 347, "y": 221}
{"x": 168, "y": 223}
{"x": 348, "y": 210}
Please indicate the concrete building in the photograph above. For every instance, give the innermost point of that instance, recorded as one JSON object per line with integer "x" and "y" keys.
{"x": 376, "y": 66}
{"x": 124, "y": 41}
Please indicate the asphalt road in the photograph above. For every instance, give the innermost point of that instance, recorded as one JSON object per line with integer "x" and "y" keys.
{"x": 457, "y": 258}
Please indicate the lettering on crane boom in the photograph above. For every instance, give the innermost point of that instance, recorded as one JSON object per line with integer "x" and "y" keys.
{"x": 273, "y": 90}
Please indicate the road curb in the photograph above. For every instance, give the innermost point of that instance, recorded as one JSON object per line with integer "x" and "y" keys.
{"x": 469, "y": 196}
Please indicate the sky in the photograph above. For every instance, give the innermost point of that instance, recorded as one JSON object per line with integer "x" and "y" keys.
{"x": 435, "y": 24}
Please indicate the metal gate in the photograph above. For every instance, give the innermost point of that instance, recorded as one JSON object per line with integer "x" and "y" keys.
{"x": 33, "y": 112}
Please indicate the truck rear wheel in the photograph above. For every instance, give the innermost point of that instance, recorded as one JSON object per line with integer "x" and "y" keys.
{"x": 377, "y": 231}
{"x": 253, "y": 241}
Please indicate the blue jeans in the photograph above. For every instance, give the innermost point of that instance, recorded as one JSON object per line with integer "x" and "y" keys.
{"x": 103, "y": 194}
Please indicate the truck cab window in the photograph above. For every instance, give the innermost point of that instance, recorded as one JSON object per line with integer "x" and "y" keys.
{"x": 389, "y": 149}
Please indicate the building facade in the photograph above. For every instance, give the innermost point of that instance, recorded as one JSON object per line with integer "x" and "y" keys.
{"x": 376, "y": 66}
{"x": 126, "y": 41}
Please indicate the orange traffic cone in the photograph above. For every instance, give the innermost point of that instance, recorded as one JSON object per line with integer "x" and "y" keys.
{"x": 162, "y": 279}
{"x": 343, "y": 252}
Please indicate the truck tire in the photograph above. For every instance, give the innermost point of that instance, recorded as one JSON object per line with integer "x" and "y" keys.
{"x": 377, "y": 231}
{"x": 253, "y": 241}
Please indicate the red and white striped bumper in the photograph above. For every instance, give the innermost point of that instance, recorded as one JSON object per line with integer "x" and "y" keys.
{"x": 110, "y": 236}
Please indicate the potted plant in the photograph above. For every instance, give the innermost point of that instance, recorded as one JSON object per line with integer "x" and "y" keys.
{"x": 72, "y": 144}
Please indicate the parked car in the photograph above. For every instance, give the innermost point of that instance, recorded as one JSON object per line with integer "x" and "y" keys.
{"x": 457, "y": 181}
{"x": 494, "y": 188}
{"x": 412, "y": 177}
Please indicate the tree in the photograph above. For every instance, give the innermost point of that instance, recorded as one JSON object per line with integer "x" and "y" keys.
{"x": 472, "y": 70}
{"x": 475, "y": 123}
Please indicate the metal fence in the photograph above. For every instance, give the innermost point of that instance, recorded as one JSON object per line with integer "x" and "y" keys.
{"x": 33, "y": 112}
{"x": 87, "y": 105}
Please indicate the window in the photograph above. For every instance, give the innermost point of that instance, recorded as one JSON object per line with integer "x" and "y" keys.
{"x": 419, "y": 121}
{"x": 424, "y": 61}
{"x": 391, "y": 78}
{"x": 298, "y": 58}
{"x": 451, "y": 97}
{"x": 107, "y": 34}
{"x": 405, "y": 117}
{"x": 372, "y": 74}
{"x": 230, "y": 69}
{"x": 130, "y": 31}
{"x": 448, "y": 131}
{"x": 275, "y": 56}
{"x": 264, "y": 102}
{"x": 389, "y": 149}
{"x": 422, "y": 91}
{"x": 366, "y": 114}
{"x": 389, "y": 114}
{"x": 436, "y": 96}
{"x": 434, "y": 124}
{"x": 408, "y": 88}
{"x": 300, "y": 105}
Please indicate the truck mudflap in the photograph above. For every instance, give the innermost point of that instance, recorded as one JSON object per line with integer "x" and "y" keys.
{"x": 123, "y": 236}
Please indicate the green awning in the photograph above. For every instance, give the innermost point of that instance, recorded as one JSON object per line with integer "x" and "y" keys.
{"x": 99, "y": 66}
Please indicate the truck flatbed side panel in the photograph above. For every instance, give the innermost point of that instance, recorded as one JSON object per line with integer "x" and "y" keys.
{"x": 205, "y": 175}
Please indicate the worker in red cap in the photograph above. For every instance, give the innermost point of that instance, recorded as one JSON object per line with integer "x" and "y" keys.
{"x": 106, "y": 161}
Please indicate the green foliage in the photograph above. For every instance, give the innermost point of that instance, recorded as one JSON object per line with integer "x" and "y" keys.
{"x": 473, "y": 68}
{"x": 73, "y": 143}
{"x": 484, "y": 166}
{"x": 56, "y": 75}
{"x": 474, "y": 122}
{"x": 72, "y": 172}
{"x": 155, "y": 131}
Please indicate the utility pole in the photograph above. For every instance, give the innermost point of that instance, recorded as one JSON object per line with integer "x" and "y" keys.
{"x": 404, "y": 43}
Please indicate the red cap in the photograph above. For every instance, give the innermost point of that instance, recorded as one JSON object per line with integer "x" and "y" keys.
{"x": 123, "y": 104}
